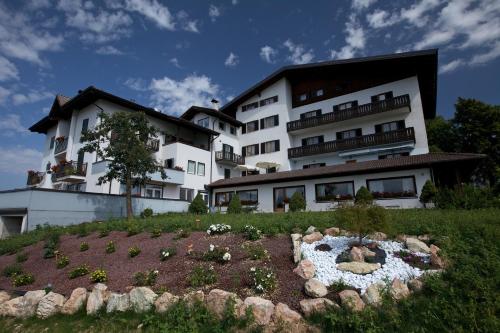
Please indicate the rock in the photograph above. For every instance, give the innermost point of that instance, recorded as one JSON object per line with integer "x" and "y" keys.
{"x": 49, "y": 305}
{"x": 165, "y": 301}
{"x": 316, "y": 305}
{"x": 217, "y": 301}
{"x": 415, "y": 285}
{"x": 346, "y": 233}
{"x": 142, "y": 299}
{"x": 434, "y": 249}
{"x": 11, "y": 308}
{"x": 262, "y": 309}
{"x": 367, "y": 252}
{"x": 305, "y": 269}
{"x": 75, "y": 302}
{"x": 358, "y": 267}
{"x": 399, "y": 289}
{"x": 437, "y": 261}
{"x": 297, "y": 254}
{"x": 372, "y": 245}
{"x": 283, "y": 313}
{"x": 315, "y": 288}
{"x": 97, "y": 298}
{"x": 424, "y": 238}
{"x": 414, "y": 245}
{"x": 378, "y": 236}
{"x": 194, "y": 297}
{"x": 356, "y": 254}
{"x": 314, "y": 237}
{"x": 118, "y": 303}
{"x": 351, "y": 300}
{"x": 333, "y": 231}
{"x": 372, "y": 294}
{"x": 401, "y": 238}
{"x": 310, "y": 230}
{"x": 4, "y": 297}
{"x": 30, "y": 302}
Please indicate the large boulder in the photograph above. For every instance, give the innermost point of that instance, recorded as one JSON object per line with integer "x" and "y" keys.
{"x": 97, "y": 298}
{"x": 262, "y": 309}
{"x": 373, "y": 293}
{"x": 378, "y": 236}
{"x": 434, "y": 249}
{"x": 297, "y": 254}
{"x": 282, "y": 312}
{"x": 165, "y": 301}
{"x": 358, "y": 267}
{"x": 12, "y": 308}
{"x": 399, "y": 289}
{"x": 311, "y": 238}
{"x": 415, "y": 245}
{"x": 217, "y": 301}
{"x": 415, "y": 285}
{"x": 437, "y": 261}
{"x": 194, "y": 297}
{"x": 75, "y": 302}
{"x": 316, "y": 305}
{"x": 142, "y": 299}
{"x": 22, "y": 307}
{"x": 311, "y": 229}
{"x": 315, "y": 288}
{"x": 4, "y": 296}
{"x": 118, "y": 303}
{"x": 350, "y": 299}
{"x": 305, "y": 269}
{"x": 356, "y": 254}
{"x": 333, "y": 231}
{"x": 49, "y": 305}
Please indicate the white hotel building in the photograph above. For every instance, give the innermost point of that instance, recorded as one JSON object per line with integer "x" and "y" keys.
{"x": 323, "y": 129}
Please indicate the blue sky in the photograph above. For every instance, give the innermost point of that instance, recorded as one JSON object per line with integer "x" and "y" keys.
{"x": 172, "y": 54}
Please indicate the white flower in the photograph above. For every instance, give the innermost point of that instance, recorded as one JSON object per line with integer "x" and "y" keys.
{"x": 212, "y": 247}
{"x": 156, "y": 272}
{"x": 167, "y": 254}
{"x": 226, "y": 256}
{"x": 252, "y": 269}
{"x": 208, "y": 231}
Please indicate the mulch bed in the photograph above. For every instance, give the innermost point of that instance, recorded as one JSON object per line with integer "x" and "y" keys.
{"x": 173, "y": 272}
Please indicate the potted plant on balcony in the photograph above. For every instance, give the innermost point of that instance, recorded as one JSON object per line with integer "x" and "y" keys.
{"x": 178, "y": 168}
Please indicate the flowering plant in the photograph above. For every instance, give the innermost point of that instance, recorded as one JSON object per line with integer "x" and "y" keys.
{"x": 217, "y": 254}
{"x": 134, "y": 251}
{"x": 252, "y": 233}
{"x": 99, "y": 275}
{"x": 147, "y": 278}
{"x": 167, "y": 253}
{"x": 263, "y": 279}
{"x": 218, "y": 229}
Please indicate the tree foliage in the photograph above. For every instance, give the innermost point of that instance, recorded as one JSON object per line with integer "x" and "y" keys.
{"x": 429, "y": 192}
{"x": 363, "y": 196}
{"x": 198, "y": 206}
{"x": 363, "y": 219}
{"x": 123, "y": 139}
{"x": 297, "y": 202}
{"x": 234, "y": 205}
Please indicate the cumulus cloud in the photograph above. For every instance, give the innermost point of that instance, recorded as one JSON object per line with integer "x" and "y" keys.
{"x": 23, "y": 158}
{"x": 232, "y": 60}
{"x": 355, "y": 40}
{"x": 213, "y": 12}
{"x": 362, "y": 4}
{"x": 108, "y": 50}
{"x": 153, "y": 11}
{"x": 298, "y": 54}
{"x": 186, "y": 22}
{"x": 31, "y": 97}
{"x": 8, "y": 71}
{"x": 4, "y": 94}
{"x": 451, "y": 66}
{"x": 10, "y": 125}
{"x": 268, "y": 54}
{"x": 381, "y": 18}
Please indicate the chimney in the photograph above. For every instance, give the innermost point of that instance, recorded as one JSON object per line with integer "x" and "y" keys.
{"x": 215, "y": 104}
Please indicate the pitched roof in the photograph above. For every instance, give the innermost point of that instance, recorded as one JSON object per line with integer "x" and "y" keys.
{"x": 405, "y": 162}
{"x": 194, "y": 110}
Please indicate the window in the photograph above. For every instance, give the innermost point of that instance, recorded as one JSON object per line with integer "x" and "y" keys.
{"x": 282, "y": 195}
{"x": 80, "y": 158}
{"x": 382, "y": 97}
{"x": 313, "y": 165}
{"x": 227, "y": 173}
{"x": 303, "y": 97}
{"x": 222, "y": 199}
{"x": 250, "y": 150}
{"x": 201, "y": 169}
{"x": 391, "y": 126}
{"x": 152, "y": 192}
{"x": 222, "y": 126}
{"x": 191, "y": 167}
{"x": 269, "y": 122}
{"x": 334, "y": 191}
{"x": 169, "y": 163}
{"x": 85, "y": 127}
{"x": 393, "y": 155}
{"x": 249, "y": 197}
{"x": 269, "y": 100}
{"x": 313, "y": 140}
{"x": 270, "y": 146}
{"x": 47, "y": 166}
{"x": 52, "y": 142}
{"x": 310, "y": 114}
{"x": 250, "y": 106}
{"x": 227, "y": 149}
{"x": 79, "y": 187}
{"x": 204, "y": 196}
{"x": 190, "y": 194}
{"x": 251, "y": 126}
{"x": 271, "y": 170}
{"x": 318, "y": 93}
{"x": 249, "y": 173}
{"x": 232, "y": 130}
{"x": 345, "y": 106}
{"x": 205, "y": 122}
{"x": 186, "y": 194}
{"x": 349, "y": 134}
{"x": 399, "y": 187}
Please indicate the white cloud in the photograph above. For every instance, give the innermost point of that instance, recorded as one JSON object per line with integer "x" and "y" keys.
{"x": 451, "y": 66}
{"x": 232, "y": 60}
{"x": 37, "y": 4}
{"x": 416, "y": 14}
{"x": 234, "y": 2}
{"x": 298, "y": 54}
{"x": 108, "y": 50}
{"x": 4, "y": 94}
{"x": 154, "y": 11}
{"x": 136, "y": 84}
{"x": 485, "y": 57}
{"x": 8, "y": 71}
{"x": 434, "y": 38}
{"x": 268, "y": 54}
{"x": 174, "y": 61}
{"x": 381, "y": 18}
{"x": 23, "y": 158}
{"x": 186, "y": 23}
{"x": 213, "y": 12}
{"x": 362, "y": 4}
{"x": 31, "y": 97}
{"x": 355, "y": 40}
{"x": 10, "y": 125}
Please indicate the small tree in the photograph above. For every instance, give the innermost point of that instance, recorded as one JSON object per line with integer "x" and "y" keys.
{"x": 198, "y": 206}
{"x": 297, "y": 202}
{"x": 363, "y": 219}
{"x": 363, "y": 196}
{"x": 429, "y": 192}
{"x": 234, "y": 205}
{"x": 123, "y": 139}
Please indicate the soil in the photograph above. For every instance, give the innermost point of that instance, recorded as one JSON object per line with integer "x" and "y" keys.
{"x": 232, "y": 276}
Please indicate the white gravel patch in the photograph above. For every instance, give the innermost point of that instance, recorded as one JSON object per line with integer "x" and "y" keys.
{"x": 327, "y": 272}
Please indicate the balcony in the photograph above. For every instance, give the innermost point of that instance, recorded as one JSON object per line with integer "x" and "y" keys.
{"x": 153, "y": 145}
{"x": 71, "y": 172}
{"x": 34, "y": 178}
{"x": 229, "y": 158}
{"x": 61, "y": 145}
{"x": 397, "y": 102}
{"x": 365, "y": 141}
{"x": 173, "y": 177}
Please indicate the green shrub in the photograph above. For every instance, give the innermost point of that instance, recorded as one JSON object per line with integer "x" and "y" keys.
{"x": 133, "y": 228}
{"x": 146, "y": 213}
{"x": 51, "y": 243}
{"x": 256, "y": 251}
{"x": 466, "y": 197}
{"x": 79, "y": 271}
{"x": 429, "y": 192}
{"x": 11, "y": 270}
{"x": 147, "y": 278}
{"x": 263, "y": 279}
{"x": 201, "y": 276}
{"x": 363, "y": 196}
{"x": 22, "y": 279}
{"x": 81, "y": 230}
{"x": 84, "y": 246}
{"x": 110, "y": 247}
{"x": 297, "y": 202}
{"x": 363, "y": 219}
{"x": 103, "y": 233}
{"x": 216, "y": 254}
{"x": 167, "y": 253}
{"x": 134, "y": 251}
{"x": 99, "y": 275}
{"x": 198, "y": 205}
{"x": 21, "y": 257}
{"x": 62, "y": 261}
{"x": 234, "y": 206}
{"x": 252, "y": 233}
{"x": 156, "y": 233}
{"x": 181, "y": 233}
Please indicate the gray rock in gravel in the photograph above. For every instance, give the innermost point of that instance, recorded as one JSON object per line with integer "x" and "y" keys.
{"x": 262, "y": 309}
{"x": 118, "y": 303}
{"x": 358, "y": 267}
{"x": 217, "y": 301}
{"x": 311, "y": 238}
{"x": 315, "y": 288}
{"x": 305, "y": 269}
{"x": 350, "y": 299}
{"x": 75, "y": 302}
{"x": 142, "y": 299}
{"x": 282, "y": 312}
{"x": 415, "y": 245}
{"x": 194, "y": 297}
{"x": 399, "y": 289}
{"x": 49, "y": 305}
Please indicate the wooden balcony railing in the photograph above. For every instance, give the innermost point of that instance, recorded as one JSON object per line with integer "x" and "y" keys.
{"x": 224, "y": 156}
{"x": 34, "y": 178}
{"x": 70, "y": 169}
{"x": 370, "y": 140}
{"x": 61, "y": 146}
{"x": 153, "y": 145}
{"x": 354, "y": 112}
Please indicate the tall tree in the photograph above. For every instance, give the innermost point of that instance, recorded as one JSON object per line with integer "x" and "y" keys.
{"x": 442, "y": 135}
{"x": 124, "y": 139}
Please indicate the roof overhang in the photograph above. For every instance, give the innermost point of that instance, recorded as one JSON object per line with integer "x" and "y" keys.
{"x": 194, "y": 110}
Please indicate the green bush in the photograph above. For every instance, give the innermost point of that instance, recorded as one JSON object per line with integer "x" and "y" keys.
{"x": 234, "y": 205}
{"x": 156, "y": 233}
{"x": 11, "y": 270}
{"x": 22, "y": 279}
{"x": 21, "y": 257}
{"x": 181, "y": 233}
{"x": 363, "y": 219}
{"x": 79, "y": 271}
{"x": 110, "y": 247}
{"x": 198, "y": 206}
{"x": 167, "y": 253}
{"x": 256, "y": 251}
{"x": 429, "y": 192}
{"x": 216, "y": 254}
{"x": 84, "y": 246}
{"x": 263, "y": 279}
{"x": 363, "y": 196}
{"x": 147, "y": 278}
{"x": 62, "y": 261}
{"x": 466, "y": 197}
{"x": 99, "y": 275}
{"x": 133, "y": 228}
{"x": 146, "y": 213}
{"x": 134, "y": 251}
{"x": 297, "y": 202}
{"x": 252, "y": 233}
{"x": 201, "y": 276}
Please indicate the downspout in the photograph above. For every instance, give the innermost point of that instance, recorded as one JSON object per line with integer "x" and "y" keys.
{"x": 211, "y": 163}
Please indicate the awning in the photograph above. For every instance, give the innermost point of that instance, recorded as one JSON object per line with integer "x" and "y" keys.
{"x": 267, "y": 165}
{"x": 245, "y": 167}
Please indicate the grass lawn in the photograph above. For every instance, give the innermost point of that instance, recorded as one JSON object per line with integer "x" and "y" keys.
{"x": 465, "y": 298}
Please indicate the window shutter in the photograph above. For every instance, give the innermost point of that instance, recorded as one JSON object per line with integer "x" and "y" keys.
{"x": 359, "y": 132}
{"x": 389, "y": 95}
{"x": 277, "y": 145}
{"x": 401, "y": 124}
{"x": 374, "y": 98}
{"x": 276, "y": 120}
{"x": 378, "y": 128}
{"x": 256, "y": 125}
{"x": 302, "y": 116}
{"x": 354, "y": 104}
{"x": 243, "y": 151}
{"x": 304, "y": 142}
{"x": 256, "y": 149}
{"x": 339, "y": 135}
{"x": 318, "y": 112}
{"x": 244, "y": 129}
{"x": 262, "y": 124}
{"x": 321, "y": 139}
{"x": 335, "y": 108}
{"x": 263, "y": 148}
